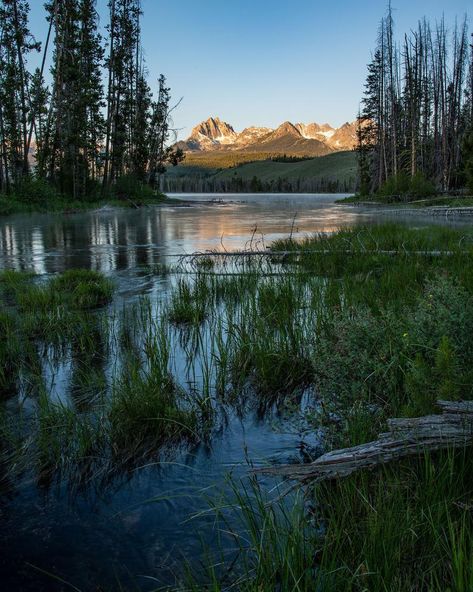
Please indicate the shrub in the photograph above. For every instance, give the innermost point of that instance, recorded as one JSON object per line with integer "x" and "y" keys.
{"x": 404, "y": 186}
{"x": 131, "y": 188}
{"x": 36, "y": 191}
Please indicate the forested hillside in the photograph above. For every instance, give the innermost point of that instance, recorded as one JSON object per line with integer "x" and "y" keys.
{"x": 334, "y": 173}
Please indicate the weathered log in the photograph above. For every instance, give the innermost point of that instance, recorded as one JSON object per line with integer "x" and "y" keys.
{"x": 406, "y": 437}
{"x": 270, "y": 253}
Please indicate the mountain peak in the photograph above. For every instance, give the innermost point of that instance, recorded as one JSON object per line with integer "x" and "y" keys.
{"x": 213, "y": 128}
{"x": 287, "y": 128}
{"x": 311, "y": 139}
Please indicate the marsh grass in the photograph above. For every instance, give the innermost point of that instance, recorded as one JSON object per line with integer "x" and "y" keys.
{"x": 400, "y": 528}
{"x": 204, "y": 263}
{"x": 272, "y": 544}
{"x": 382, "y": 335}
{"x": 66, "y": 440}
{"x": 10, "y": 352}
{"x": 145, "y": 410}
{"x": 147, "y": 406}
{"x": 189, "y": 302}
{"x": 82, "y": 289}
{"x": 375, "y": 335}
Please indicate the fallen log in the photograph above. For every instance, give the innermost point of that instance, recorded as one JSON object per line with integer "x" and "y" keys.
{"x": 406, "y": 437}
{"x": 270, "y": 253}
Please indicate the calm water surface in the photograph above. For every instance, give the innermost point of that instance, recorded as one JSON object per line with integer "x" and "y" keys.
{"x": 143, "y": 524}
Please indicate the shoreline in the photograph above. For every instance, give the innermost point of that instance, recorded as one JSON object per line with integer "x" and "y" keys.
{"x": 412, "y": 209}
{"x": 59, "y": 207}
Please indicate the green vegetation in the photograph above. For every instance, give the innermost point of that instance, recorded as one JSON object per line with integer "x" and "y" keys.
{"x": 223, "y": 159}
{"x": 458, "y": 201}
{"x": 376, "y": 322}
{"x": 380, "y": 335}
{"x": 145, "y": 407}
{"x": 403, "y": 187}
{"x": 96, "y": 130}
{"x": 49, "y": 322}
{"x": 189, "y": 303}
{"x": 275, "y": 550}
{"x": 331, "y": 173}
{"x": 36, "y": 195}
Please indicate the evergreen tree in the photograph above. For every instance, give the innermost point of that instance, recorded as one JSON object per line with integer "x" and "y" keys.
{"x": 159, "y": 133}
{"x": 16, "y": 42}
{"x": 123, "y": 88}
{"x": 40, "y": 97}
{"x": 75, "y": 144}
{"x": 74, "y": 130}
{"x": 416, "y": 107}
{"x": 140, "y": 141}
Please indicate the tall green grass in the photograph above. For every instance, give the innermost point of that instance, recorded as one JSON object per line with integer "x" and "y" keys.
{"x": 371, "y": 334}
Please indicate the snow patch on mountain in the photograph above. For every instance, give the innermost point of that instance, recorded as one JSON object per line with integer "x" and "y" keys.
{"x": 216, "y": 134}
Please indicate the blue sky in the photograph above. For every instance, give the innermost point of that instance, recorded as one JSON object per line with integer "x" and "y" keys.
{"x": 261, "y": 62}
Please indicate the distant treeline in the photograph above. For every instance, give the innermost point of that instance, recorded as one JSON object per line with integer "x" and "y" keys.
{"x": 205, "y": 184}
{"x": 234, "y": 158}
{"x": 416, "y": 123}
{"x": 289, "y": 158}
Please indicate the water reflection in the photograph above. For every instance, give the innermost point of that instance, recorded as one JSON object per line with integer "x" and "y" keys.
{"x": 109, "y": 240}
{"x": 114, "y": 534}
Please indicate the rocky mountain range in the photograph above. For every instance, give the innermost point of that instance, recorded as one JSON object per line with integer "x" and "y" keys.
{"x": 311, "y": 139}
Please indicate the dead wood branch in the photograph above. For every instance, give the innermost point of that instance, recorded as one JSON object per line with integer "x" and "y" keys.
{"x": 406, "y": 437}
{"x": 269, "y": 253}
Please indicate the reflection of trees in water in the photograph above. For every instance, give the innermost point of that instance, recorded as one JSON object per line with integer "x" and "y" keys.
{"x": 125, "y": 239}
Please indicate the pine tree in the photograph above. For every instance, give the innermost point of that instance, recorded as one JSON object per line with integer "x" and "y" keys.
{"x": 16, "y": 42}
{"x": 140, "y": 141}
{"x": 416, "y": 103}
{"x": 40, "y": 97}
{"x": 123, "y": 87}
{"x": 159, "y": 133}
{"x": 75, "y": 144}
{"x": 91, "y": 53}
{"x": 69, "y": 153}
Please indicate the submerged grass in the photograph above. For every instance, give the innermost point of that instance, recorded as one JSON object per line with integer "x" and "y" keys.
{"x": 147, "y": 408}
{"x": 375, "y": 334}
{"x": 189, "y": 302}
{"x": 379, "y": 335}
{"x": 272, "y": 545}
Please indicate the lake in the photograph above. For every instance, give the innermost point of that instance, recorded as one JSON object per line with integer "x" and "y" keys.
{"x": 139, "y": 528}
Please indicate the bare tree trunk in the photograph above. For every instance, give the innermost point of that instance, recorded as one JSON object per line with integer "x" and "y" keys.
{"x": 6, "y": 176}
{"x": 24, "y": 123}
{"x": 110, "y": 109}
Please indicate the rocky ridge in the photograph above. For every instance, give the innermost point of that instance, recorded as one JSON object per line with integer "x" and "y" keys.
{"x": 311, "y": 139}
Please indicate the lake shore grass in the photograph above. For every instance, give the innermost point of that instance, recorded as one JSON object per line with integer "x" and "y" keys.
{"x": 410, "y": 202}
{"x": 369, "y": 323}
{"x": 389, "y": 334}
{"x": 10, "y": 205}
